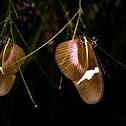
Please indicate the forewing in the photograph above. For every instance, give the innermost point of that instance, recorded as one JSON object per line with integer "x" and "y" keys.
{"x": 71, "y": 59}
{"x": 11, "y": 55}
{"x": 91, "y": 90}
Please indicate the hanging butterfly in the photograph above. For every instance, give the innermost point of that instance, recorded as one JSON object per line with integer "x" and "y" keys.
{"x": 8, "y": 68}
{"x": 77, "y": 61}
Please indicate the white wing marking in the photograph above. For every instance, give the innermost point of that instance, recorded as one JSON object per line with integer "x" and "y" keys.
{"x": 89, "y": 74}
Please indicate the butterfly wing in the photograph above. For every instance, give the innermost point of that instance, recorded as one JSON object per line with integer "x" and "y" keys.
{"x": 6, "y": 83}
{"x": 10, "y": 56}
{"x": 91, "y": 89}
{"x": 8, "y": 70}
{"x": 72, "y": 66}
{"x": 80, "y": 65}
{"x": 1, "y": 58}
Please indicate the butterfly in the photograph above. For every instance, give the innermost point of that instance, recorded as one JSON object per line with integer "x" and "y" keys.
{"x": 9, "y": 65}
{"x": 78, "y": 62}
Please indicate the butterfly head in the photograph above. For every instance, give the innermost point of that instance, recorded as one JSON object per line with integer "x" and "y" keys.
{"x": 3, "y": 40}
{"x": 86, "y": 40}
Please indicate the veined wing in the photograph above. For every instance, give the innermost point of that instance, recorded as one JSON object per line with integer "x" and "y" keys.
{"x": 90, "y": 86}
{"x": 71, "y": 59}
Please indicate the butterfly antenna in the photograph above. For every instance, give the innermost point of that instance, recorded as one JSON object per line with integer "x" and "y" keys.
{"x": 82, "y": 21}
{"x": 73, "y": 33}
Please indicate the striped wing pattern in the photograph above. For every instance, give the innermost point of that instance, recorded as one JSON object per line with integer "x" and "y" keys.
{"x": 6, "y": 83}
{"x": 67, "y": 59}
{"x": 9, "y": 70}
{"x": 11, "y": 55}
{"x": 71, "y": 59}
{"x": 90, "y": 91}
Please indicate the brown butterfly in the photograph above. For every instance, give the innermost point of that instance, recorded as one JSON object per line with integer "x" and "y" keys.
{"x": 8, "y": 68}
{"x": 77, "y": 61}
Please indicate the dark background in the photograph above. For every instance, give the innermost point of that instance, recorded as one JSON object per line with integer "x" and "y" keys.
{"x": 104, "y": 19}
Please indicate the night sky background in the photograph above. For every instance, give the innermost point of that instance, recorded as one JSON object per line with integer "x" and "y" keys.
{"x": 105, "y": 19}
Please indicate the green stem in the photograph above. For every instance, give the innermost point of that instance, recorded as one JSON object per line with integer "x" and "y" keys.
{"x": 33, "y": 56}
{"x": 21, "y": 72}
{"x": 46, "y": 42}
{"x": 14, "y": 9}
{"x": 80, "y": 11}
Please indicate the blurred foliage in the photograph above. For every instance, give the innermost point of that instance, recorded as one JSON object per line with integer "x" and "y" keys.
{"x": 40, "y": 20}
